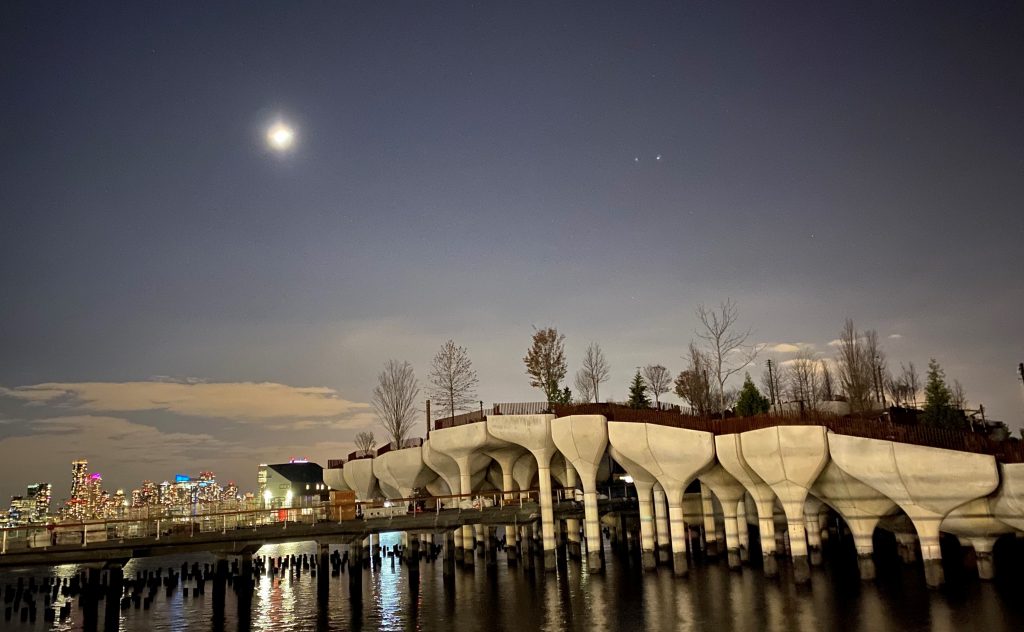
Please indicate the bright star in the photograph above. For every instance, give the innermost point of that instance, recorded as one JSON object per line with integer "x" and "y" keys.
{"x": 280, "y": 137}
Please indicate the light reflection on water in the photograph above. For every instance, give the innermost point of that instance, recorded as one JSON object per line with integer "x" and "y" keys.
{"x": 622, "y": 598}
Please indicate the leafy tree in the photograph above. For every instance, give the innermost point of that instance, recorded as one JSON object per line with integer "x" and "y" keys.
{"x": 751, "y": 401}
{"x": 545, "y": 362}
{"x": 638, "y": 393}
{"x": 563, "y": 396}
{"x": 938, "y": 400}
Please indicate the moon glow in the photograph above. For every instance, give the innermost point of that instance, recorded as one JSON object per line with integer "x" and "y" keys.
{"x": 280, "y": 137}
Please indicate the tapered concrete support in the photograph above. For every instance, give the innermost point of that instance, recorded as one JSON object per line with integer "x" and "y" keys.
{"x": 789, "y": 459}
{"x": 976, "y": 526}
{"x": 533, "y": 432}
{"x": 731, "y": 458}
{"x": 1007, "y": 503}
{"x": 664, "y": 545}
{"x": 446, "y": 468}
{"x": 813, "y": 528}
{"x": 335, "y": 479}
{"x": 710, "y": 528}
{"x": 644, "y": 483}
{"x": 582, "y": 440}
{"x": 675, "y": 456}
{"x": 927, "y": 483}
{"x": 404, "y": 470}
{"x": 742, "y": 531}
{"x": 983, "y": 554}
{"x": 360, "y": 478}
{"x": 860, "y": 507}
{"x": 450, "y": 549}
{"x": 730, "y": 494}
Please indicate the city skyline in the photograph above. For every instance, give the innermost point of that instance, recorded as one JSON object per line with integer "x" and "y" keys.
{"x": 220, "y": 222}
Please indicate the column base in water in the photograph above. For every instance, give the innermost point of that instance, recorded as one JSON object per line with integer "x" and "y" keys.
{"x": 771, "y": 565}
{"x": 550, "y": 560}
{"x": 986, "y": 569}
{"x": 680, "y": 567}
{"x": 801, "y": 569}
{"x": 735, "y": 561}
{"x": 934, "y": 576}
{"x": 649, "y": 561}
{"x": 814, "y": 556}
{"x": 594, "y": 563}
{"x": 744, "y": 554}
{"x": 866, "y": 566}
{"x": 664, "y": 554}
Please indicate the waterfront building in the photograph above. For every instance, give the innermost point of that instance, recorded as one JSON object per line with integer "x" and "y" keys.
{"x": 297, "y": 483}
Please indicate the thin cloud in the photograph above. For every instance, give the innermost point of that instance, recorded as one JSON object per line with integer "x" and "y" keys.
{"x": 237, "y": 401}
{"x": 895, "y": 336}
{"x": 787, "y": 347}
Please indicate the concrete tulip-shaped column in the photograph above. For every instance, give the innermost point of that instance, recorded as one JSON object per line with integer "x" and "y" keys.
{"x": 675, "y": 456}
{"x": 730, "y": 493}
{"x": 976, "y": 526}
{"x": 664, "y": 542}
{"x": 533, "y": 432}
{"x": 360, "y": 478}
{"x": 1008, "y": 501}
{"x": 644, "y": 483}
{"x": 448, "y": 470}
{"x": 459, "y": 478}
{"x": 788, "y": 459}
{"x": 730, "y": 457}
{"x": 812, "y": 525}
{"x": 583, "y": 440}
{"x": 860, "y": 506}
{"x": 927, "y": 483}
{"x": 465, "y": 445}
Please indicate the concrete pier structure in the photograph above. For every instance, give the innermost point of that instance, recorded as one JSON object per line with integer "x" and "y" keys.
{"x": 860, "y": 507}
{"x": 730, "y": 494}
{"x": 927, "y": 483}
{"x": 644, "y": 483}
{"x": 533, "y": 432}
{"x": 788, "y": 459}
{"x": 1008, "y": 501}
{"x": 360, "y": 478}
{"x": 975, "y": 524}
{"x": 675, "y": 456}
{"x": 582, "y": 440}
{"x": 663, "y": 544}
{"x": 730, "y": 456}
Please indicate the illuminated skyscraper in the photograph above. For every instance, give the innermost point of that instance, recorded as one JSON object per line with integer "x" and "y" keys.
{"x": 77, "y": 504}
{"x": 40, "y": 494}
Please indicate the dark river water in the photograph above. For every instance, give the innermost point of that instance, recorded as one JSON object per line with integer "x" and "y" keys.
{"x": 621, "y": 598}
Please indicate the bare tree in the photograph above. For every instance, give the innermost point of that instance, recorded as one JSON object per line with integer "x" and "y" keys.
{"x": 658, "y": 381}
{"x": 896, "y": 387}
{"x": 772, "y": 379}
{"x": 959, "y": 396}
{"x": 913, "y": 382}
{"x": 804, "y": 379}
{"x": 876, "y": 357}
{"x": 453, "y": 380}
{"x": 828, "y": 389}
{"x": 856, "y": 368}
{"x": 394, "y": 400}
{"x": 726, "y": 345}
{"x": 365, "y": 442}
{"x": 545, "y": 362}
{"x": 595, "y": 371}
{"x": 584, "y": 388}
{"x": 693, "y": 384}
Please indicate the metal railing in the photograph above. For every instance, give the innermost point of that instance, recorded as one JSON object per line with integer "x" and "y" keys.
{"x": 70, "y": 535}
{"x": 461, "y": 420}
{"x": 522, "y": 408}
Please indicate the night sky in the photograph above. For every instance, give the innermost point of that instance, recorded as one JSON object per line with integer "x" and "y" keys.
{"x": 177, "y": 296}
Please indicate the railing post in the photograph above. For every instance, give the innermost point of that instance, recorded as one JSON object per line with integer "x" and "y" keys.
{"x": 4, "y": 550}
{"x": 157, "y": 528}
{"x": 85, "y": 534}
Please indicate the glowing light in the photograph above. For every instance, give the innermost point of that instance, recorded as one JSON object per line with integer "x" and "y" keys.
{"x": 280, "y": 136}
{"x": 627, "y": 479}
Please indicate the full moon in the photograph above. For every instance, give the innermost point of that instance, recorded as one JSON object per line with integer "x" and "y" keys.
{"x": 280, "y": 137}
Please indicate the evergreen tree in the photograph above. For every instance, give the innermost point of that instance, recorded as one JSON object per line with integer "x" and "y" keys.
{"x": 751, "y": 401}
{"x": 638, "y": 393}
{"x": 938, "y": 400}
{"x": 563, "y": 396}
